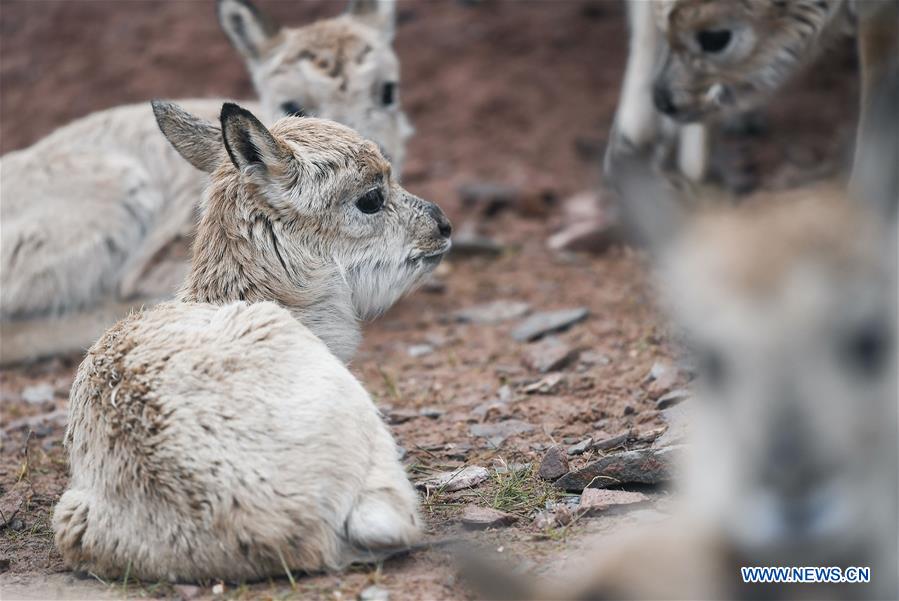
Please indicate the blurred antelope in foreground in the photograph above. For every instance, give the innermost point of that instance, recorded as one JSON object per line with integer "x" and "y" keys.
{"x": 789, "y": 307}
{"x": 86, "y": 209}
{"x": 691, "y": 60}
{"x": 221, "y": 436}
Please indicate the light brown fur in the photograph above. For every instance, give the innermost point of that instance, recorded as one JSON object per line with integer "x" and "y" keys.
{"x": 221, "y": 437}
{"x": 787, "y": 306}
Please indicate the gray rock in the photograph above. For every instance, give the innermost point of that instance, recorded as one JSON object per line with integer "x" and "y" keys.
{"x": 419, "y": 350}
{"x": 673, "y": 398}
{"x": 401, "y": 416}
{"x": 38, "y": 394}
{"x": 465, "y": 477}
{"x": 467, "y": 244}
{"x": 594, "y": 500}
{"x": 494, "y": 312}
{"x": 614, "y": 442}
{"x": 492, "y": 409}
{"x": 480, "y": 518}
{"x": 550, "y": 384}
{"x": 592, "y": 236}
{"x": 488, "y": 198}
{"x": 581, "y": 447}
{"x": 642, "y": 466}
{"x": 554, "y": 464}
{"x": 496, "y": 433}
{"x": 431, "y": 412}
{"x": 591, "y": 358}
{"x": 540, "y": 324}
{"x": 374, "y": 593}
{"x": 550, "y": 354}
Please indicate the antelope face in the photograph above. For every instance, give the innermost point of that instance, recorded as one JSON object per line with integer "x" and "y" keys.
{"x": 343, "y": 69}
{"x": 314, "y": 205}
{"x": 731, "y": 54}
{"x": 791, "y": 315}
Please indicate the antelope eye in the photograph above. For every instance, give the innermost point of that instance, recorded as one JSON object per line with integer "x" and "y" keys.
{"x": 292, "y": 109}
{"x": 371, "y": 202}
{"x": 867, "y": 349}
{"x": 713, "y": 41}
{"x": 388, "y": 93}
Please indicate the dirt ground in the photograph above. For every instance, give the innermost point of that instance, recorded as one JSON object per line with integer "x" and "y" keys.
{"x": 515, "y": 93}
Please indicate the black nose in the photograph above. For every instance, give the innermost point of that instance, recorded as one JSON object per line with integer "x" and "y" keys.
{"x": 661, "y": 96}
{"x": 443, "y": 224}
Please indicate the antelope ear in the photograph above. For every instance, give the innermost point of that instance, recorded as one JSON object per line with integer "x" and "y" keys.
{"x": 651, "y": 208}
{"x": 249, "y": 143}
{"x": 249, "y": 29}
{"x": 198, "y": 141}
{"x": 379, "y": 14}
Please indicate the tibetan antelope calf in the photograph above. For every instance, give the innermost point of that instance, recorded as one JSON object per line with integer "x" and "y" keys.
{"x": 789, "y": 307}
{"x": 220, "y": 435}
{"x": 691, "y": 60}
{"x": 86, "y": 209}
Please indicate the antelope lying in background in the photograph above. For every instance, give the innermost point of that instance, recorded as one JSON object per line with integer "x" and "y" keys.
{"x": 86, "y": 209}
{"x": 790, "y": 309}
{"x": 221, "y": 436}
{"x": 691, "y": 60}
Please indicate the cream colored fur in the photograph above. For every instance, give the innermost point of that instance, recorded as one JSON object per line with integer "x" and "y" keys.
{"x": 788, "y": 305}
{"x": 86, "y": 209}
{"x": 793, "y": 444}
{"x": 221, "y": 436}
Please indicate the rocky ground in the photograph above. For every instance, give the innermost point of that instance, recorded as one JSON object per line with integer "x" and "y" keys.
{"x": 525, "y": 369}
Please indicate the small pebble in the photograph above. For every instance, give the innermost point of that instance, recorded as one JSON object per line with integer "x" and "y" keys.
{"x": 374, "y": 593}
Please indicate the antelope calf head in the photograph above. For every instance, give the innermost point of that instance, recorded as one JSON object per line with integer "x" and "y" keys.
{"x": 343, "y": 69}
{"x": 731, "y": 54}
{"x": 307, "y": 214}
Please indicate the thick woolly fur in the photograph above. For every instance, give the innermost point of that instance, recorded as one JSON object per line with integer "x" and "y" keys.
{"x": 788, "y": 306}
{"x": 86, "y": 209}
{"x": 220, "y": 436}
{"x": 225, "y": 442}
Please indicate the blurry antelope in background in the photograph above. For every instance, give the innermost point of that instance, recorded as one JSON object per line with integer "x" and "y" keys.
{"x": 86, "y": 209}
{"x": 692, "y": 60}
